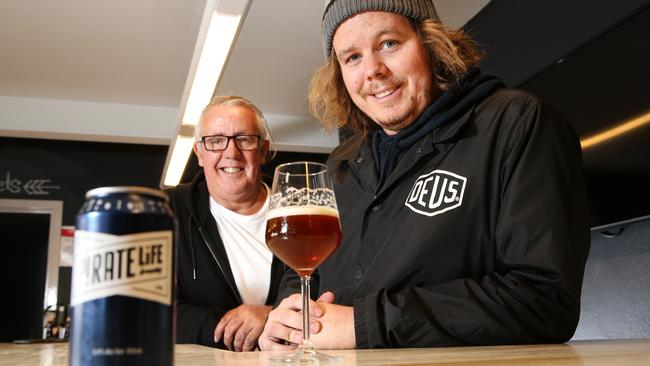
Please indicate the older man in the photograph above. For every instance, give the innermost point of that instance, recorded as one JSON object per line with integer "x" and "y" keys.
{"x": 462, "y": 202}
{"x": 227, "y": 277}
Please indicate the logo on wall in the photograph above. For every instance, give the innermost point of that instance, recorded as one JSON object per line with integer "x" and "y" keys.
{"x": 32, "y": 187}
{"x": 436, "y": 192}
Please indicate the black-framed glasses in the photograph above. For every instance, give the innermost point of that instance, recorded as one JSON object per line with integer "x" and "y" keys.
{"x": 220, "y": 142}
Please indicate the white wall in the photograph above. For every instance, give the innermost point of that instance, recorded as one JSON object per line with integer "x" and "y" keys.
{"x": 616, "y": 287}
{"x": 141, "y": 124}
{"x": 90, "y": 121}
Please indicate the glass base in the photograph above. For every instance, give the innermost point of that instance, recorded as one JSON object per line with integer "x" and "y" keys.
{"x": 305, "y": 356}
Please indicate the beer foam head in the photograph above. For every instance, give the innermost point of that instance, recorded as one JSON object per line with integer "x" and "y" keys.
{"x": 302, "y": 210}
{"x": 299, "y": 197}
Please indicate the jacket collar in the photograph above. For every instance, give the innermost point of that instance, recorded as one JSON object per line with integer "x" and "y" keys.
{"x": 357, "y": 153}
{"x": 193, "y": 193}
{"x": 434, "y": 142}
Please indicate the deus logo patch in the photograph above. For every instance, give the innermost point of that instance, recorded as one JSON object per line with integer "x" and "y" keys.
{"x": 436, "y": 192}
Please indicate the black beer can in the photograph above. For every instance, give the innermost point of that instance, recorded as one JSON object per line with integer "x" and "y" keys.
{"x": 123, "y": 279}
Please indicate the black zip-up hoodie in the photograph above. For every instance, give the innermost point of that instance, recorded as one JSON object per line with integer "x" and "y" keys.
{"x": 478, "y": 236}
{"x": 205, "y": 286}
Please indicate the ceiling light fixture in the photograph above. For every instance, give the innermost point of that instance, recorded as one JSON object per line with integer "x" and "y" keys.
{"x": 220, "y": 25}
{"x": 615, "y": 131}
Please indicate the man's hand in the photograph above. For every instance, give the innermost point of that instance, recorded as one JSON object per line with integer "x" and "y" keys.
{"x": 241, "y": 327}
{"x": 336, "y": 328}
{"x": 283, "y": 330}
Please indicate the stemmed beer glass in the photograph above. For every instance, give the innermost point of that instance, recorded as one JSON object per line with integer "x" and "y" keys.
{"x": 303, "y": 230}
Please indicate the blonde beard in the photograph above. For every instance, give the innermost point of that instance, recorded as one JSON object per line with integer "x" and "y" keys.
{"x": 399, "y": 123}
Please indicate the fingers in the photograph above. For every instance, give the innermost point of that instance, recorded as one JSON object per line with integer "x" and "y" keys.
{"x": 250, "y": 342}
{"x": 315, "y": 326}
{"x": 229, "y": 333}
{"x": 286, "y": 317}
{"x": 282, "y": 323}
{"x": 240, "y": 327}
{"x": 218, "y": 330}
{"x": 276, "y": 335}
{"x": 271, "y": 344}
{"x": 286, "y": 325}
{"x": 289, "y": 314}
{"x": 227, "y": 329}
{"x": 294, "y": 303}
{"x": 241, "y": 338}
{"x": 238, "y": 339}
{"x": 318, "y": 310}
{"x": 223, "y": 322}
{"x": 328, "y": 297}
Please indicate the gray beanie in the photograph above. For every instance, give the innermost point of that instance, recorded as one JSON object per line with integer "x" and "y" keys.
{"x": 337, "y": 11}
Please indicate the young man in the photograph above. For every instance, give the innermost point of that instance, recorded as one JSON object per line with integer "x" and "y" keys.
{"x": 227, "y": 276}
{"x": 462, "y": 203}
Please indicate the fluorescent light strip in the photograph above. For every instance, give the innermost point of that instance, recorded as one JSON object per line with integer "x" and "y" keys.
{"x": 180, "y": 155}
{"x": 216, "y": 47}
{"x": 615, "y": 131}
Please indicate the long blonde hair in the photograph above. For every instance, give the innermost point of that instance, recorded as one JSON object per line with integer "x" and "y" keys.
{"x": 450, "y": 52}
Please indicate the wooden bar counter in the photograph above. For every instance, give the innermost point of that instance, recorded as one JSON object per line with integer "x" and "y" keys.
{"x": 598, "y": 352}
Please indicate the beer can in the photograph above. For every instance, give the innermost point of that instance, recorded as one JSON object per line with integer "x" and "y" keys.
{"x": 123, "y": 279}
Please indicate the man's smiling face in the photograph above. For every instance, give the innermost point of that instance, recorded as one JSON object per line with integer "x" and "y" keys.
{"x": 385, "y": 68}
{"x": 233, "y": 175}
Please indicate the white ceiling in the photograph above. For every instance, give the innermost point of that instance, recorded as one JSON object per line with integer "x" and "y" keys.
{"x": 116, "y": 70}
{"x": 118, "y": 51}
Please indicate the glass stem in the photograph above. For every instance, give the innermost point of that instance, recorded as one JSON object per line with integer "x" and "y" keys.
{"x": 304, "y": 289}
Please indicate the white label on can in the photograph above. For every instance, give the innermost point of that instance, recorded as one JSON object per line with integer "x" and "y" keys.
{"x": 135, "y": 265}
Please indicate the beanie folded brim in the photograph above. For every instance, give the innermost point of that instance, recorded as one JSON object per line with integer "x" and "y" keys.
{"x": 337, "y": 11}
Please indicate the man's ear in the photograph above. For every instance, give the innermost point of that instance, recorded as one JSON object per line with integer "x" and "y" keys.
{"x": 195, "y": 148}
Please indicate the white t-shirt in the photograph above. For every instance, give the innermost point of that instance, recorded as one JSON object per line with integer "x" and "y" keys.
{"x": 250, "y": 259}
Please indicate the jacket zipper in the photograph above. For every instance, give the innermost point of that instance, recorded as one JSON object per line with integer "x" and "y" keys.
{"x": 230, "y": 285}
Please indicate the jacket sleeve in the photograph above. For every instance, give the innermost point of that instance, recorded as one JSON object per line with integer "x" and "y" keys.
{"x": 195, "y": 324}
{"x": 541, "y": 234}
{"x": 290, "y": 284}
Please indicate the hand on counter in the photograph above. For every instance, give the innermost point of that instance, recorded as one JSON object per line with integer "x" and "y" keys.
{"x": 332, "y": 326}
{"x": 241, "y": 327}
{"x": 336, "y": 327}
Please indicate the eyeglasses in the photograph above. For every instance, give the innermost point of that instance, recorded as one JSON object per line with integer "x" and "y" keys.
{"x": 220, "y": 142}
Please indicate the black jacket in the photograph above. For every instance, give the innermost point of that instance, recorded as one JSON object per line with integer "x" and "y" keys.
{"x": 479, "y": 236}
{"x": 205, "y": 287}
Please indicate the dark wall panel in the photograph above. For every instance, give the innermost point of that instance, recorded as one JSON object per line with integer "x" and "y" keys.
{"x": 66, "y": 170}
{"x": 589, "y": 60}
{"x": 523, "y": 37}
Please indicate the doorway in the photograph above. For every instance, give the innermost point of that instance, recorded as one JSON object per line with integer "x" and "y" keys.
{"x": 30, "y": 234}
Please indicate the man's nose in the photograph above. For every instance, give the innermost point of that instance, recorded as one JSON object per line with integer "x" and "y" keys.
{"x": 374, "y": 66}
{"x": 231, "y": 149}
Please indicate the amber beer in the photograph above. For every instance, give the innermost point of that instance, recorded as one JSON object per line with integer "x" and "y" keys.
{"x": 303, "y": 237}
